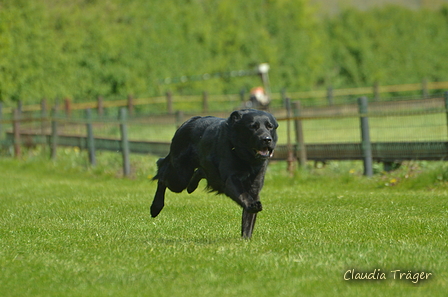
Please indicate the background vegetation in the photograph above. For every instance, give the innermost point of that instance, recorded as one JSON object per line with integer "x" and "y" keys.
{"x": 85, "y": 48}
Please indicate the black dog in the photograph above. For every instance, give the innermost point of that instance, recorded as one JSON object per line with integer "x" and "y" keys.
{"x": 231, "y": 154}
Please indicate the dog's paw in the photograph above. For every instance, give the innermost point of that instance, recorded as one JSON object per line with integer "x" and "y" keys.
{"x": 192, "y": 187}
{"x": 255, "y": 207}
{"x": 156, "y": 208}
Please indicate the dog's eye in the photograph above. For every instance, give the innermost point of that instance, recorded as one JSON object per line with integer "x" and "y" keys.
{"x": 269, "y": 125}
{"x": 255, "y": 126}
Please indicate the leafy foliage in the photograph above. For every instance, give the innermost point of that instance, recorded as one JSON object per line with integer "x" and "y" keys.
{"x": 86, "y": 48}
{"x": 393, "y": 45}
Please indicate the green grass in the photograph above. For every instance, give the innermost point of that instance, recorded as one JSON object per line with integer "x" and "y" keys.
{"x": 70, "y": 230}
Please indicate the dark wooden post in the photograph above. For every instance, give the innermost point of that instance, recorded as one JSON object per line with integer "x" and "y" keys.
{"x": 179, "y": 118}
{"x": 284, "y": 98}
{"x": 100, "y": 106}
{"x": 169, "y": 102}
{"x": 43, "y": 107}
{"x": 243, "y": 95}
{"x": 43, "y": 115}
{"x": 124, "y": 142}
{"x": 19, "y": 105}
{"x": 204, "y": 101}
{"x": 90, "y": 138}
{"x": 299, "y": 134}
{"x": 130, "y": 105}
{"x": 291, "y": 156}
{"x": 330, "y": 95}
{"x": 56, "y": 104}
{"x": 16, "y": 132}
{"x": 366, "y": 146}
{"x": 54, "y": 133}
{"x": 67, "y": 107}
{"x": 376, "y": 91}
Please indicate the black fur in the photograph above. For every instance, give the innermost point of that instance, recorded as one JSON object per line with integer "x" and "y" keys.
{"x": 231, "y": 154}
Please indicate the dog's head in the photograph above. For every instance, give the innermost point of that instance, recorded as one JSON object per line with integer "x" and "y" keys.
{"x": 253, "y": 133}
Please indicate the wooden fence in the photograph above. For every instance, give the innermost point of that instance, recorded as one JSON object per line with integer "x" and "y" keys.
{"x": 203, "y": 101}
{"x": 364, "y": 149}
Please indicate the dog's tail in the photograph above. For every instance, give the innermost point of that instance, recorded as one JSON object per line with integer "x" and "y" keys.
{"x": 162, "y": 165}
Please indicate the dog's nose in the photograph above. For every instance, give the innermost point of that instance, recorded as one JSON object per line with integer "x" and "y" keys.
{"x": 267, "y": 140}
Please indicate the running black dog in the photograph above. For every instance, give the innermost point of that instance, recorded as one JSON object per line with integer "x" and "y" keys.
{"x": 231, "y": 154}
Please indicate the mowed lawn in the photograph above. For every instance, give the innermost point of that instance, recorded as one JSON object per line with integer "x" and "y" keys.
{"x": 67, "y": 232}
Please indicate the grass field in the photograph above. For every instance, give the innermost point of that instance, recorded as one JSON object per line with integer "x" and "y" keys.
{"x": 69, "y": 230}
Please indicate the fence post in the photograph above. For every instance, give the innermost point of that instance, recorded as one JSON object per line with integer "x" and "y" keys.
{"x": 169, "y": 102}
{"x": 243, "y": 94}
{"x": 100, "y": 106}
{"x": 376, "y": 91}
{"x": 284, "y": 97}
{"x": 205, "y": 101}
{"x": 54, "y": 133}
{"x": 56, "y": 104}
{"x": 366, "y": 146}
{"x": 67, "y": 107}
{"x": 19, "y": 105}
{"x": 16, "y": 132}
{"x": 299, "y": 134}
{"x": 124, "y": 142}
{"x": 179, "y": 118}
{"x": 291, "y": 156}
{"x": 130, "y": 105}
{"x": 330, "y": 95}
{"x": 43, "y": 115}
{"x": 43, "y": 107}
{"x": 90, "y": 138}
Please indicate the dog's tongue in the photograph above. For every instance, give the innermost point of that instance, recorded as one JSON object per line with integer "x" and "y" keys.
{"x": 264, "y": 153}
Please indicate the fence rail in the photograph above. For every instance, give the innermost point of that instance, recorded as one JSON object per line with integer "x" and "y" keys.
{"x": 385, "y": 152}
{"x": 385, "y": 132}
{"x": 169, "y": 99}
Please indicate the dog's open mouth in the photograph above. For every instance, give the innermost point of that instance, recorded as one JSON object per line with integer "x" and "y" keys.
{"x": 265, "y": 152}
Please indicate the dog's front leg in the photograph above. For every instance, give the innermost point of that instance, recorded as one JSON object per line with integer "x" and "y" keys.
{"x": 248, "y": 224}
{"x": 251, "y": 205}
{"x": 235, "y": 189}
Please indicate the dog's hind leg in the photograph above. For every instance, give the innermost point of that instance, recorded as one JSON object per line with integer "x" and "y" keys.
{"x": 194, "y": 181}
{"x": 248, "y": 223}
{"x": 159, "y": 199}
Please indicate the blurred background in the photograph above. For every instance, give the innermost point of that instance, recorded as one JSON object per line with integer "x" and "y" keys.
{"x": 165, "y": 61}
{"x": 82, "y": 49}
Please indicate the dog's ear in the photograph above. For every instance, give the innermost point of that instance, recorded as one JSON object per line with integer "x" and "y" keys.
{"x": 235, "y": 117}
